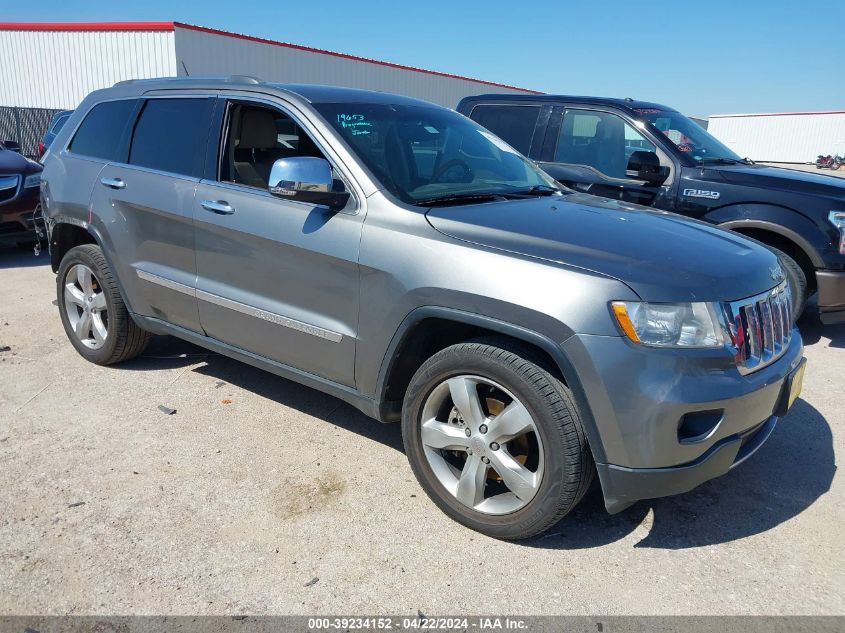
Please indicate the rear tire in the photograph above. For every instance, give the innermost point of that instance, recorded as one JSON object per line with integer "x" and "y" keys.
{"x": 797, "y": 281}
{"x": 555, "y": 446}
{"x": 93, "y": 314}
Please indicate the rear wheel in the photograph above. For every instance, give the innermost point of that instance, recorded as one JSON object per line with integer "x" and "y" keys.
{"x": 93, "y": 313}
{"x": 495, "y": 440}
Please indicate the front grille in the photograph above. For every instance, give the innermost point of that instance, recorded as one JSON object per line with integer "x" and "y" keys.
{"x": 9, "y": 187}
{"x": 761, "y": 328}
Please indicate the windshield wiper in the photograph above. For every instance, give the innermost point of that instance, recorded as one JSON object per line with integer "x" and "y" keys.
{"x": 726, "y": 161}
{"x": 458, "y": 198}
{"x": 536, "y": 190}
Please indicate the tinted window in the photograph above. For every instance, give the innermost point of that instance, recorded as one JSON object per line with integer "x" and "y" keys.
{"x": 171, "y": 135}
{"x": 600, "y": 140}
{"x": 101, "y": 133}
{"x": 513, "y": 124}
{"x": 59, "y": 123}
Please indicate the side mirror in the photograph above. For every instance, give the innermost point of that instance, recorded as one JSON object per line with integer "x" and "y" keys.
{"x": 306, "y": 179}
{"x": 13, "y": 146}
{"x": 646, "y": 166}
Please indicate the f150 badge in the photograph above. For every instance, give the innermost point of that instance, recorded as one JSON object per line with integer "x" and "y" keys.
{"x": 701, "y": 193}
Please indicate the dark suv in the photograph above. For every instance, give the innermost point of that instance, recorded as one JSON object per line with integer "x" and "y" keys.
{"x": 653, "y": 155}
{"x": 56, "y": 124}
{"x": 401, "y": 257}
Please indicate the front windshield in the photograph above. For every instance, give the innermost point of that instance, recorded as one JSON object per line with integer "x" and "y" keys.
{"x": 422, "y": 153}
{"x": 688, "y": 136}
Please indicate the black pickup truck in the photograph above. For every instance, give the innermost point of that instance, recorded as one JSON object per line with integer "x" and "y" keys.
{"x": 652, "y": 155}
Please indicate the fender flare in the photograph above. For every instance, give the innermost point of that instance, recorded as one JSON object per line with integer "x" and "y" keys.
{"x": 554, "y": 350}
{"x": 98, "y": 241}
{"x": 732, "y": 218}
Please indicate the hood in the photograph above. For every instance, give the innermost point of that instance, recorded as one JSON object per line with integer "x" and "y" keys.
{"x": 13, "y": 163}
{"x": 786, "y": 180}
{"x": 659, "y": 255}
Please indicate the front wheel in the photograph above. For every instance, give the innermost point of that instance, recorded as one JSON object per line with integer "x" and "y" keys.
{"x": 495, "y": 440}
{"x": 93, "y": 313}
{"x": 796, "y": 279}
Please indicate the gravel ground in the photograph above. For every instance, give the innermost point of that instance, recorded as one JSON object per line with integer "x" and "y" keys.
{"x": 260, "y": 496}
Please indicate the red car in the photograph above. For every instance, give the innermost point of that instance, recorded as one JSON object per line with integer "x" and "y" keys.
{"x": 19, "y": 195}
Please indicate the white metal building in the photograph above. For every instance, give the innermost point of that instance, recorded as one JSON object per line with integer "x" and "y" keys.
{"x": 47, "y": 67}
{"x": 52, "y": 65}
{"x": 781, "y": 137}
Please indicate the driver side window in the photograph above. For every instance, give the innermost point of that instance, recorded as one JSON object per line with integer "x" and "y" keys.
{"x": 599, "y": 140}
{"x": 256, "y": 137}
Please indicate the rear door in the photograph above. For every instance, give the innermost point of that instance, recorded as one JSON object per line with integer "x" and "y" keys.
{"x": 522, "y": 126}
{"x": 147, "y": 196}
{"x": 276, "y": 277}
{"x": 100, "y": 137}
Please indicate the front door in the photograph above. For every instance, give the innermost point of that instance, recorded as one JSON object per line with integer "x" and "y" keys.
{"x": 275, "y": 277}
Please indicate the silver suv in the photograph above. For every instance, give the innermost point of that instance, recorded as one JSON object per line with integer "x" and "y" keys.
{"x": 398, "y": 256}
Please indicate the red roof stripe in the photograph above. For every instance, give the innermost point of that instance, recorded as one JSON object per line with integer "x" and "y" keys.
{"x": 170, "y": 26}
{"x": 86, "y": 26}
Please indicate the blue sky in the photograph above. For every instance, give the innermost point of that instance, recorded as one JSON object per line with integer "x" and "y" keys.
{"x": 700, "y": 57}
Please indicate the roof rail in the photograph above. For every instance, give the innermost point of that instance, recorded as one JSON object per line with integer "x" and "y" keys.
{"x": 234, "y": 79}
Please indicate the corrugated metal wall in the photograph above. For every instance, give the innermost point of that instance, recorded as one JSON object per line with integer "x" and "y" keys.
{"x": 56, "y": 69}
{"x": 783, "y": 138}
{"x": 213, "y": 54}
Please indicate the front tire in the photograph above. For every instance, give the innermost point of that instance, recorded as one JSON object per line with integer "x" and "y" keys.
{"x": 796, "y": 279}
{"x": 93, "y": 314}
{"x": 495, "y": 439}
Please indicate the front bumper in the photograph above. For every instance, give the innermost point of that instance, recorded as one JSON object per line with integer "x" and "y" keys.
{"x": 831, "y": 285}
{"x": 640, "y": 400}
{"x": 16, "y": 216}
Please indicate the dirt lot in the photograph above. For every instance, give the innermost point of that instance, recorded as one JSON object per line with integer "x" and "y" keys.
{"x": 109, "y": 506}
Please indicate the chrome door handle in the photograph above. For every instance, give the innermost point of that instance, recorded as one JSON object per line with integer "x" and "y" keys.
{"x": 114, "y": 183}
{"x": 218, "y": 206}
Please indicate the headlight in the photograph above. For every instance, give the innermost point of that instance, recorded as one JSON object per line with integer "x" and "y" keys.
{"x": 32, "y": 180}
{"x": 671, "y": 324}
{"x": 837, "y": 219}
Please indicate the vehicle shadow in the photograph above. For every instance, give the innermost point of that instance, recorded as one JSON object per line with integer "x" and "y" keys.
{"x": 813, "y": 330}
{"x": 165, "y": 352}
{"x": 787, "y": 475}
{"x": 789, "y": 472}
{"x": 14, "y": 257}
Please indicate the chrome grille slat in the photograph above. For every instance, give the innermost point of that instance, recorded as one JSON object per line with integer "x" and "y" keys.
{"x": 761, "y": 328}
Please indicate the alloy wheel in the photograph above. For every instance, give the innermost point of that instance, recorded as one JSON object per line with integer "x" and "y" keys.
{"x": 85, "y": 306}
{"x": 482, "y": 444}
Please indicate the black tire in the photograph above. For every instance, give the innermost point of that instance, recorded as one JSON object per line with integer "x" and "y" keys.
{"x": 125, "y": 339}
{"x": 797, "y": 281}
{"x": 569, "y": 466}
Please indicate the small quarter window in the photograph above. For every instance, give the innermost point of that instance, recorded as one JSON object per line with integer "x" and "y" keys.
{"x": 102, "y": 132}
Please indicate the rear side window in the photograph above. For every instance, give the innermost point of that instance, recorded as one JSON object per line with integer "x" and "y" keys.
{"x": 171, "y": 135}
{"x": 514, "y": 124}
{"x": 59, "y": 124}
{"x": 101, "y": 134}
